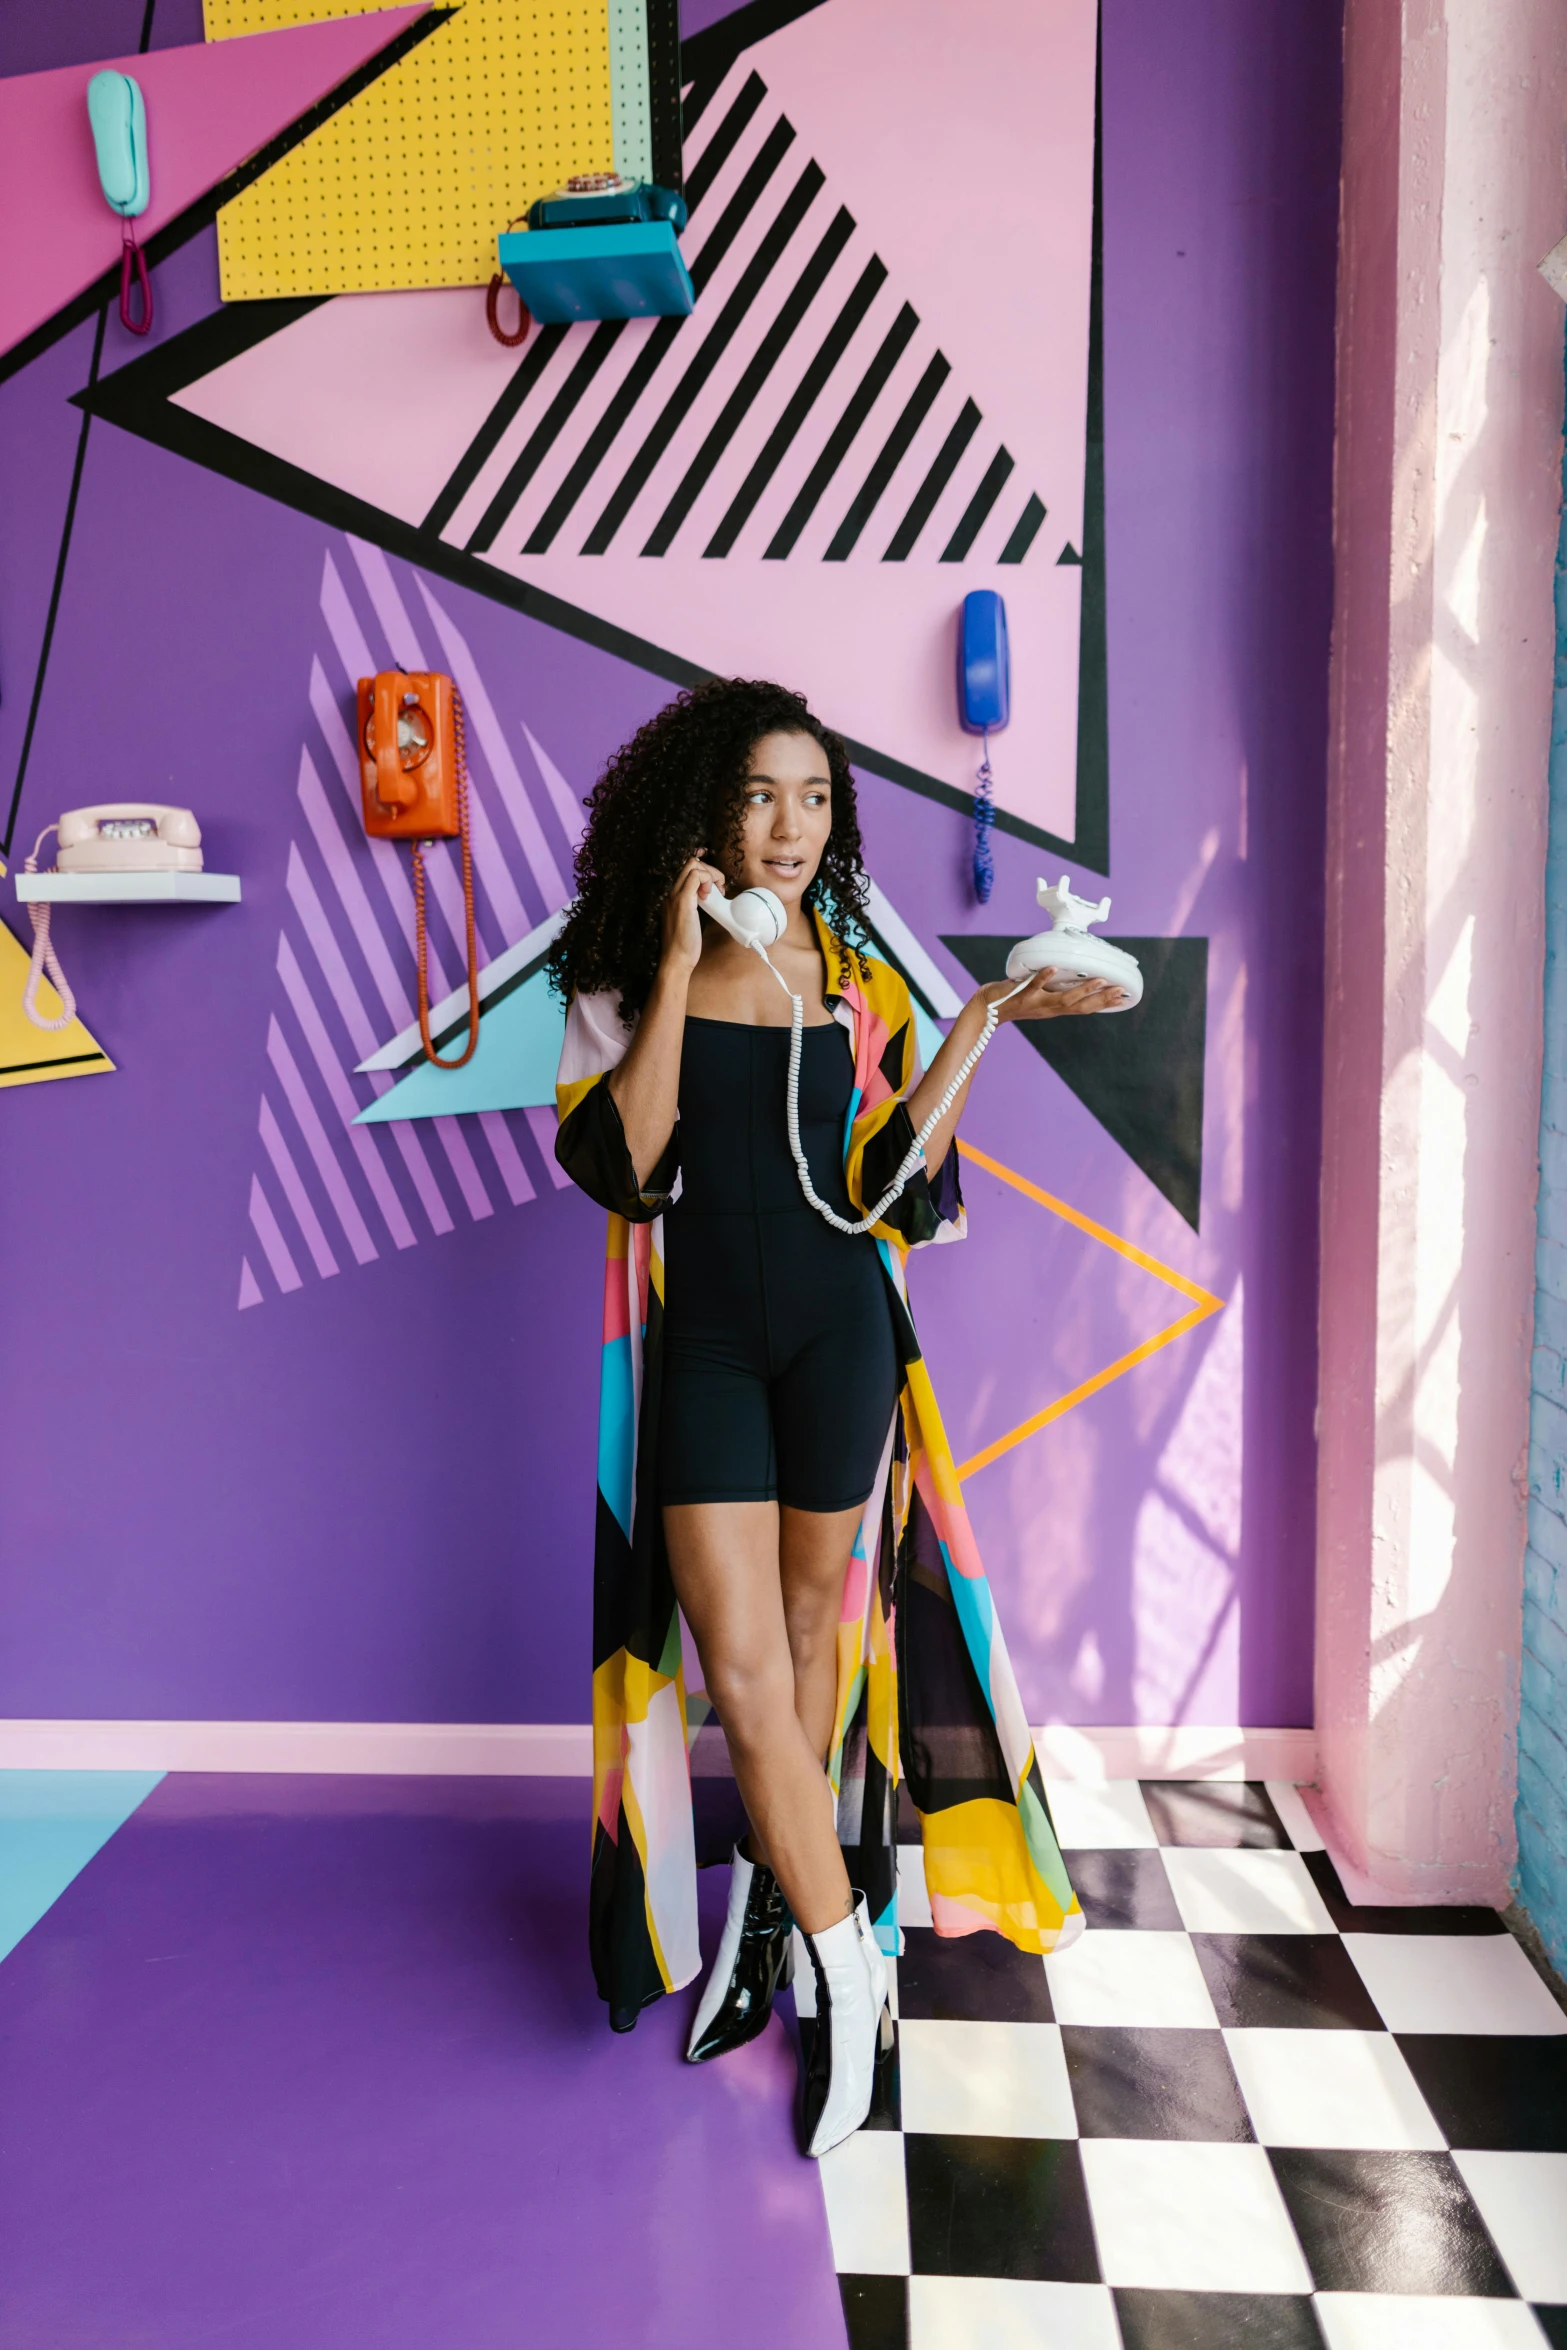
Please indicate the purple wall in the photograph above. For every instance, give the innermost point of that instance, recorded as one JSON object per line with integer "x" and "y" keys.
{"x": 372, "y": 1498}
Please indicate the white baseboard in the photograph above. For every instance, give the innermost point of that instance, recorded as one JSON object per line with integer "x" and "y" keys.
{"x": 1147, "y": 1753}
{"x": 565, "y": 1749}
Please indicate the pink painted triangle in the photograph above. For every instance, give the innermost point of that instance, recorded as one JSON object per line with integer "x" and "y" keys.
{"x": 249, "y": 1286}
{"x": 208, "y": 107}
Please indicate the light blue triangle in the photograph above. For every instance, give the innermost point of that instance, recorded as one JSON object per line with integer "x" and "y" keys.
{"x": 514, "y": 1068}
{"x": 51, "y": 1824}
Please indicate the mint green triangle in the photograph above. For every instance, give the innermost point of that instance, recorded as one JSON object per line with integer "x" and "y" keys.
{"x": 514, "y": 1068}
{"x": 51, "y": 1825}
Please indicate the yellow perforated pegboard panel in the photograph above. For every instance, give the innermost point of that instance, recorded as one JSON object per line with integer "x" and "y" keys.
{"x": 410, "y": 184}
{"x": 224, "y": 19}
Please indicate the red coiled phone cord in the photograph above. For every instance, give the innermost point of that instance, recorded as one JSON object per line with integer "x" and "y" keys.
{"x": 421, "y": 941}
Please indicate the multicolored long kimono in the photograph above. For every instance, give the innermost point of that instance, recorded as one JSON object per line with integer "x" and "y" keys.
{"x": 925, "y": 1686}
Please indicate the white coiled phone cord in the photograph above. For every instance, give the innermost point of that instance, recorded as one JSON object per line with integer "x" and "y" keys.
{"x": 916, "y": 1151}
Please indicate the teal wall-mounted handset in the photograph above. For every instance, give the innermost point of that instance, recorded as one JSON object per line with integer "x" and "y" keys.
{"x": 118, "y": 115}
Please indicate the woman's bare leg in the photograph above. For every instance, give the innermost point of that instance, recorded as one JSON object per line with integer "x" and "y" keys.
{"x": 724, "y": 1557}
{"x": 813, "y": 1558}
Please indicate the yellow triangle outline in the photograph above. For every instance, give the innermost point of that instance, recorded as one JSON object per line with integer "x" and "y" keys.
{"x": 1204, "y": 1304}
{"x": 34, "y": 1056}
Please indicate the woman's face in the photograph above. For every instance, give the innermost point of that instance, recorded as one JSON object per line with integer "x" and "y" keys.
{"x": 787, "y": 791}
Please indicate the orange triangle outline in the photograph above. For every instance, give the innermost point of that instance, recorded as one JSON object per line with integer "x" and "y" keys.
{"x": 1204, "y": 1304}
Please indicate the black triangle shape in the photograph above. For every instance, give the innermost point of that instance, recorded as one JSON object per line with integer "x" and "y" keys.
{"x": 1068, "y": 554}
{"x": 1140, "y": 1072}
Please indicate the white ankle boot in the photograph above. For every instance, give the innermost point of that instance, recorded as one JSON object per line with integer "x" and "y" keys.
{"x": 853, "y": 2027}
{"x": 755, "y": 1957}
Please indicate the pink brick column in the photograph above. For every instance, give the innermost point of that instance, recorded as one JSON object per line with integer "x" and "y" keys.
{"x": 1450, "y": 408}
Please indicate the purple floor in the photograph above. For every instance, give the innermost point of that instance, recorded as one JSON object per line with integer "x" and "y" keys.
{"x": 303, "y": 2063}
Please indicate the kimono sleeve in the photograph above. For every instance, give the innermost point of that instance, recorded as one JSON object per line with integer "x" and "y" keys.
{"x": 590, "y": 1142}
{"x": 930, "y": 1209}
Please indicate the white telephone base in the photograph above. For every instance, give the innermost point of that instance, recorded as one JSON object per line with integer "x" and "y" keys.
{"x": 1067, "y": 949}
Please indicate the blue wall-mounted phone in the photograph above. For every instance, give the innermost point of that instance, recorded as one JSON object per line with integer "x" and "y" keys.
{"x": 119, "y": 128}
{"x": 984, "y": 706}
{"x": 984, "y": 669}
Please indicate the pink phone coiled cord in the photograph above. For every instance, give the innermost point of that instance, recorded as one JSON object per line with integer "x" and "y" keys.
{"x": 131, "y": 255}
{"x": 44, "y": 954}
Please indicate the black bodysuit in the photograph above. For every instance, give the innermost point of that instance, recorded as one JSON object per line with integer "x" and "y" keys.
{"x": 780, "y": 1372}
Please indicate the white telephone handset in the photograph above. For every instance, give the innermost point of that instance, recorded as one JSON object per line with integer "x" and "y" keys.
{"x": 756, "y": 919}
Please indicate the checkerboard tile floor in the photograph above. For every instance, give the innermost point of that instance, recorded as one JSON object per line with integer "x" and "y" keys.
{"x": 1239, "y": 2114}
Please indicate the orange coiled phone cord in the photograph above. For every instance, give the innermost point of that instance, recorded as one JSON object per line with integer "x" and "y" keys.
{"x": 421, "y": 941}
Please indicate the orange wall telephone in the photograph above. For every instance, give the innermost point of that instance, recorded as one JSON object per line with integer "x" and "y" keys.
{"x": 413, "y": 776}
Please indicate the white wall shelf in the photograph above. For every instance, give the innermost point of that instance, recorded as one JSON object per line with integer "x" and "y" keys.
{"x": 129, "y": 889}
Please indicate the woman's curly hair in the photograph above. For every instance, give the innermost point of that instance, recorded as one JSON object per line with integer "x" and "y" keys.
{"x": 671, "y": 793}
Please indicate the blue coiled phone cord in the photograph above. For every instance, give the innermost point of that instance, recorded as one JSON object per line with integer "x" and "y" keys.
{"x": 984, "y": 818}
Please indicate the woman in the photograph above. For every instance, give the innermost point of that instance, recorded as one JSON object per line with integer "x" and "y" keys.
{"x": 770, "y": 1452}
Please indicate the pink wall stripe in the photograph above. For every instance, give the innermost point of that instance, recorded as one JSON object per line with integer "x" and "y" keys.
{"x": 507, "y": 1157}
{"x": 420, "y": 1173}
{"x": 362, "y": 1138}
{"x": 284, "y": 1270}
{"x": 249, "y": 1286}
{"x": 319, "y": 932}
{"x": 345, "y": 879}
{"x": 396, "y": 621}
{"x": 295, "y": 1193}
{"x": 471, "y": 1183}
{"x": 355, "y": 1230}
{"x": 343, "y": 626}
{"x": 547, "y": 874}
{"x": 567, "y": 806}
{"x": 308, "y": 906}
{"x": 541, "y": 1125}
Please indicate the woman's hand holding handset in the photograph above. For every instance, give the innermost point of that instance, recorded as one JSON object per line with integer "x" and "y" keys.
{"x": 645, "y": 1087}
{"x": 682, "y": 949}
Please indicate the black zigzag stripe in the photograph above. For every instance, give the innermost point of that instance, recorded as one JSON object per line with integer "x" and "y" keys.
{"x": 923, "y": 504}
{"x": 771, "y": 348}
{"x": 839, "y": 440}
{"x": 812, "y": 384}
{"x": 492, "y": 431}
{"x": 978, "y": 507}
{"x": 547, "y": 341}
{"x": 725, "y": 229}
{"x": 722, "y": 144}
{"x": 542, "y": 439}
{"x": 894, "y": 450}
{"x": 1024, "y": 532}
{"x": 706, "y": 356}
